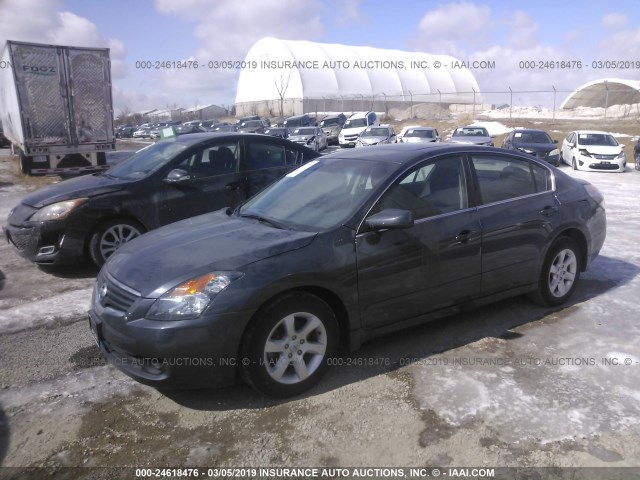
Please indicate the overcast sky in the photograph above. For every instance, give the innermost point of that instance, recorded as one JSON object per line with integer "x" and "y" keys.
{"x": 207, "y": 30}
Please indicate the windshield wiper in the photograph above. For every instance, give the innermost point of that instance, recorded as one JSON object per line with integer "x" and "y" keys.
{"x": 262, "y": 219}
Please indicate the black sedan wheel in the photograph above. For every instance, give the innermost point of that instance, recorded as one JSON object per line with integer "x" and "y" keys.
{"x": 560, "y": 273}
{"x": 286, "y": 349}
{"x": 637, "y": 160}
{"x": 110, "y": 235}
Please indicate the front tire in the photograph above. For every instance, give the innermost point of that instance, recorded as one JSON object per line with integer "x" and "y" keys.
{"x": 110, "y": 235}
{"x": 285, "y": 350}
{"x": 560, "y": 273}
{"x": 574, "y": 165}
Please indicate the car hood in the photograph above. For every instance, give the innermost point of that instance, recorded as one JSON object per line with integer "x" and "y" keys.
{"x": 300, "y": 138}
{"x": 536, "y": 147}
{"x": 163, "y": 258}
{"x": 370, "y": 140}
{"x": 78, "y": 187}
{"x": 602, "y": 149}
{"x": 418, "y": 140}
{"x": 471, "y": 140}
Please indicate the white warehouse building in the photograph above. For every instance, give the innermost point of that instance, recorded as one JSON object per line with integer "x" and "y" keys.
{"x": 284, "y": 77}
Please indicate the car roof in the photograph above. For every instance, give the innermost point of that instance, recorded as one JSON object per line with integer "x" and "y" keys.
{"x": 400, "y": 153}
{"x": 195, "y": 138}
{"x": 599, "y": 132}
{"x": 527, "y": 130}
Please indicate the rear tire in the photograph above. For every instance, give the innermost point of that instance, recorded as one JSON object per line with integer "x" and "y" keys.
{"x": 286, "y": 349}
{"x": 574, "y": 165}
{"x": 560, "y": 273}
{"x": 110, "y": 235}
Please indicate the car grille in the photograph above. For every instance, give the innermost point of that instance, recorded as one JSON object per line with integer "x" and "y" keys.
{"x": 604, "y": 166}
{"x": 604, "y": 157}
{"x": 350, "y": 138}
{"x": 114, "y": 294}
{"x": 21, "y": 239}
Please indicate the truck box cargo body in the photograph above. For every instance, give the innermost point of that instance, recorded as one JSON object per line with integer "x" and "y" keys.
{"x": 56, "y": 107}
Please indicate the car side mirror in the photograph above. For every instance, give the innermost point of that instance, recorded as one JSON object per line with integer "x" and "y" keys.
{"x": 570, "y": 145}
{"x": 390, "y": 219}
{"x": 177, "y": 175}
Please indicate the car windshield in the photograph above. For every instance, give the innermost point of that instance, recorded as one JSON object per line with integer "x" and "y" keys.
{"x": 147, "y": 160}
{"x": 355, "y": 123}
{"x": 330, "y": 122}
{"x": 376, "y": 132}
{"x": 320, "y": 194}
{"x": 251, "y": 123}
{"x": 304, "y": 131}
{"x": 471, "y": 132}
{"x": 597, "y": 139}
{"x": 531, "y": 137}
{"x": 421, "y": 133}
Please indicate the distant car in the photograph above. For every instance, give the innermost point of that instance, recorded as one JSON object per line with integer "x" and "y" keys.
{"x": 312, "y": 137}
{"x": 281, "y": 132}
{"x": 297, "y": 121}
{"x": 404, "y": 130}
{"x": 420, "y": 135}
{"x": 593, "y": 150}
{"x": 209, "y": 123}
{"x": 188, "y": 128}
{"x": 168, "y": 181}
{"x": 142, "y": 133}
{"x": 251, "y": 126}
{"x": 534, "y": 142}
{"x": 247, "y": 118}
{"x": 354, "y": 126}
{"x": 125, "y": 132}
{"x": 636, "y": 154}
{"x": 377, "y": 135}
{"x": 346, "y": 248}
{"x": 223, "y": 128}
{"x": 472, "y": 135}
{"x": 332, "y": 124}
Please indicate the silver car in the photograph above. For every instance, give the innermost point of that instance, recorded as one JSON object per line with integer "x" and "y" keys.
{"x": 376, "y": 135}
{"x": 421, "y": 135}
{"x": 311, "y": 137}
{"x": 472, "y": 135}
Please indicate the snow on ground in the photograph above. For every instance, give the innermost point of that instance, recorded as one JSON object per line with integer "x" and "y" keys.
{"x": 59, "y": 310}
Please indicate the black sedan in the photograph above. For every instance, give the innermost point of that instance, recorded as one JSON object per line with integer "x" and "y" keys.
{"x": 338, "y": 251}
{"x": 534, "y": 142}
{"x": 165, "y": 182}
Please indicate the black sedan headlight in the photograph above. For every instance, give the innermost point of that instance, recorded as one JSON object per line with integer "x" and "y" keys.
{"x": 189, "y": 299}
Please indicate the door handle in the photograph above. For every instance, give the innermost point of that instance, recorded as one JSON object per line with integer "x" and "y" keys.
{"x": 464, "y": 236}
{"x": 549, "y": 210}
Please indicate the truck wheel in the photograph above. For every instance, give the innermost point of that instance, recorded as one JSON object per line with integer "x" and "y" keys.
{"x": 110, "y": 235}
{"x": 25, "y": 164}
{"x": 287, "y": 349}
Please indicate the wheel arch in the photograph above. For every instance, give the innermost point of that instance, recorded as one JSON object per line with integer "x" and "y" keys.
{"x": 580, "y": 238}
{"x": 328, "y": 296}
{"x": 107, "y": 217}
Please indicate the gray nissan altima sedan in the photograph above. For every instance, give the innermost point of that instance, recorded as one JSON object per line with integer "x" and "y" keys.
{"x": 345, "y": 248}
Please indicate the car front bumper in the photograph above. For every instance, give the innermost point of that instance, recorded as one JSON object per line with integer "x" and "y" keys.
{"x": 598, "y": 165}
{"x": 197, "y": 353}
{"x": 47, "y": 243}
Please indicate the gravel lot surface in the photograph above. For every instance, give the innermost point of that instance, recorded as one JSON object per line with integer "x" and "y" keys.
{"x": 512, "y": 384}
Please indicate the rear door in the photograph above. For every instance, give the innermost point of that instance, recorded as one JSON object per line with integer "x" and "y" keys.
{"x": 517, "y": 210}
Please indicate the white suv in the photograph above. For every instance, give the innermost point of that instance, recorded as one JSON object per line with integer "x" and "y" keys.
{"x": 354, "y": 126}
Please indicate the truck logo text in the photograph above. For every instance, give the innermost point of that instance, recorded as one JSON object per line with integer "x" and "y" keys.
{"x": 39, "y": 70}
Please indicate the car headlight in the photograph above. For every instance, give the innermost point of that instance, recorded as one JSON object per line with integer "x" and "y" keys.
{"x": 311, "y": 140}
{"x": 553, "y": 152}
{"x": 526, "y": 150}
{"x": 57, "y": 211}
{"x": 584, "y": 152}
{"x": 621, "y": 156}
{"x": 189, "y": 299}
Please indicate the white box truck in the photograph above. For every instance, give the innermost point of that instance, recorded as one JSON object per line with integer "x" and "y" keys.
{"x": 56, "y": 107}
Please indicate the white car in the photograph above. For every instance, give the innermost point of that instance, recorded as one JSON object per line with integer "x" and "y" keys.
{"x": 354, "y": 126}
{"x": 404, "y": 130}
{"x": 592, "y": 150}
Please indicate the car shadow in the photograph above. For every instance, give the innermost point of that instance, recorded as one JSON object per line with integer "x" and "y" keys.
{"x": 80, "y": 270}
{"x": 392, "y": 352}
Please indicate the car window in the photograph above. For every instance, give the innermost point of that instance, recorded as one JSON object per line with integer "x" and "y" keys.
{"x": 261, "y": 154}
{"x": 213, "y": 160}
{"x": 430, "y": 189}
{"x": 502, "y": 178}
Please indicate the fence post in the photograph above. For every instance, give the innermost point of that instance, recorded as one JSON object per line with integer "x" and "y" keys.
{"x": 439, "y": 102}
{"x": 410, "y": 104}
{"x": 474, "y": 103}
{"x": 606, "y": 100}
{"x": 554, "y": 103}
{"x": 510, "y": 103}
